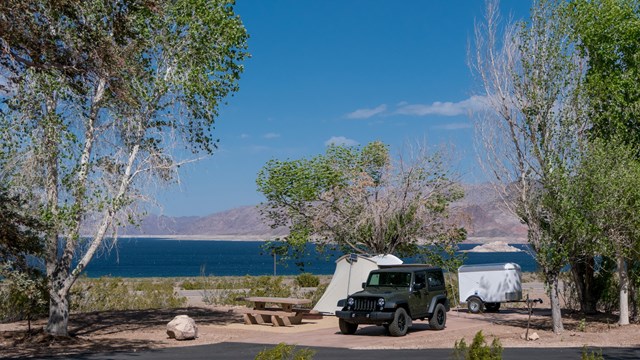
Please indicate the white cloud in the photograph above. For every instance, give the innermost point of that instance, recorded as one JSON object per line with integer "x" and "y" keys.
{"x": 244, "y": 136}
{"x": 455, "y": 126}
{"x": 340, "y": 140}
{"x": 367, "y": 113}
{"x": 271, "y": 136}
{"x": 468, "y": 106}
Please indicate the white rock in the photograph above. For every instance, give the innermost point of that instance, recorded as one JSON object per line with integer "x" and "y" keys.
{"x": 532, "y": 337}
{"x": 496, "y": 246}
{"x": 182, "y": 327}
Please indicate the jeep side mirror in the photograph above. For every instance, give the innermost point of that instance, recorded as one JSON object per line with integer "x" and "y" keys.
{"x": 364, "y": 284}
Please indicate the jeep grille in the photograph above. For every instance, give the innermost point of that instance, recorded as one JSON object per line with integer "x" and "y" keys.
{"x": 365, "y": 304}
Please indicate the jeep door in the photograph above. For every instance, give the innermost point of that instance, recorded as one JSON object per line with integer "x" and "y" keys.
{"x": 418, "y": 304}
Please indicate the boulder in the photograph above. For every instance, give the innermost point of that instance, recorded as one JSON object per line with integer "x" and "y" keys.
{"x": 532, "y": 337}
{"x": 182, "y": 327}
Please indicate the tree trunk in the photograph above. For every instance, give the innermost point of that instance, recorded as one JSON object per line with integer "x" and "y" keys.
{"x": 583, "y": 270}
{"x": 624, "y": 291}
{"x": 58, "y": 308}
{"x": 556, "y": 311}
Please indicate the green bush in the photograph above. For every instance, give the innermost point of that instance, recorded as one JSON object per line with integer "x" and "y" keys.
{"x": 200, "y": 284}
{"x": 591, "y": 355}
{"x": 266, "y": 286}
{"x": 23, "y": 295}
{"x": 232, "y": 292}
{"x": 107, "y": 293}
{"x": 479, "y": 350}
{"x": 283, "y": 351}
{"x": 307, "y": 280}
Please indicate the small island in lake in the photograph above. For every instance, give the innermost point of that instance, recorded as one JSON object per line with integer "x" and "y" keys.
{"x": 495, "y": 246}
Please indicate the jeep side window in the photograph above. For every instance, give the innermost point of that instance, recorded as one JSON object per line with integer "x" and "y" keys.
{"x": 435, "y": 280}
{"x": 421, "y": 278}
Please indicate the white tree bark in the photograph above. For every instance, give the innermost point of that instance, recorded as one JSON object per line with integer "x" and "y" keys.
{"x": 623, "y": 277}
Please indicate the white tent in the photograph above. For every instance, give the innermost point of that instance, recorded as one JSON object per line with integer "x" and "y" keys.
{"x": 351, "y": 271}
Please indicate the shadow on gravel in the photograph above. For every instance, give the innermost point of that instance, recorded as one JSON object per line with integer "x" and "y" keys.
{"x": 82, "y": 327}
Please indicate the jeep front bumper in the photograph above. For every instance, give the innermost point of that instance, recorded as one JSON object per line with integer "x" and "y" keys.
{"x": 365, "y": 317}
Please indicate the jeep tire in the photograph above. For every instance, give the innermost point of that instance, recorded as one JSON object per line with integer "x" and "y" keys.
{"x": 439, "y": 318}
{"x": 400, "y": 323}
{"x": 347, "y": 328}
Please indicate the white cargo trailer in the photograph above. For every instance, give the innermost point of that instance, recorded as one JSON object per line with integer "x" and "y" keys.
{"x": 487, "y": 285}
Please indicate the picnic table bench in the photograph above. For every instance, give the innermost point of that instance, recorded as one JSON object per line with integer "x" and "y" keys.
{"x": 286, "y": 312}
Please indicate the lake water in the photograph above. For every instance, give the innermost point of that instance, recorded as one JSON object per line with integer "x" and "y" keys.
{"x": 135, "y": 257}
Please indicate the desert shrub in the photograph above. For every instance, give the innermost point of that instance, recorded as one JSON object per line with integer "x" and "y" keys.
{"x": 591, "y": 355}
{"x": 582, "y": 325}
{"x": 478, "y": 350}
{"x": 283, "y": 351}
{"x": 307, "y": 280}
{"x": 317, "y": 293}
{"x": 569, "y": 293}
{"x": 233, "y": 292}
{"x": 531, "y": 277}
{"x": 117, "y": 294}
{"x": 266, "y": 286}
{"x": 452, "y": 288}
{"x": 23, "y": 294}
{"x": 199, "y": 284}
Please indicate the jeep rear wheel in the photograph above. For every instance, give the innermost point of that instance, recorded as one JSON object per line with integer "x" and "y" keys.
{"x": 347, "y": 328}
{"x": 400, "y": 323}
{"x": 439, "y": 318}
{"x": 475, "y": 305}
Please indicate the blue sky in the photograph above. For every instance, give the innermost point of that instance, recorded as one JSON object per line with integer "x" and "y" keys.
{"x": 345, "y": 71}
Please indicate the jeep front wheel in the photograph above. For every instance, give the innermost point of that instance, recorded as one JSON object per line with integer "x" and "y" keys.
{"x": 400, "y": 323}
{"x": 347, "y": 328}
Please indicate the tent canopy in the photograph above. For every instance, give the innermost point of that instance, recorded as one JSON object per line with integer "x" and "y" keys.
{"x": 351, "y": 271}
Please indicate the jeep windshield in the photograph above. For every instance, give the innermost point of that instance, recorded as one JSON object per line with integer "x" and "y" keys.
{"x": 389, "y": 279}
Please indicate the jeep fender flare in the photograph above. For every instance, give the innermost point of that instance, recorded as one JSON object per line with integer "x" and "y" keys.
{"x": 436, "y": 300}
{"x": 399, "y": 304}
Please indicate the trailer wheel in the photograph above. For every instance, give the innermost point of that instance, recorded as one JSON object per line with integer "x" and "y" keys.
{"x": 475, "y": 305}
{"x": 492, "y": 307}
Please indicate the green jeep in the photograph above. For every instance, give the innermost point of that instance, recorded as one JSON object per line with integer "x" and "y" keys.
{"x": 394, "y": 296}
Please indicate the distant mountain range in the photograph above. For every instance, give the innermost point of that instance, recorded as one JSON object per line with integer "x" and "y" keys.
{"x": 482, "y": 211}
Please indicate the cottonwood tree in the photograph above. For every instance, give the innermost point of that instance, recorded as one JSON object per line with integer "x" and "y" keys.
{"x": 100, "y": 101}
{"x": 608, "y": 33}
{"x": 363, "y": 200}
{"x": 531, "y": 74}
{"x": 611, "y": 199}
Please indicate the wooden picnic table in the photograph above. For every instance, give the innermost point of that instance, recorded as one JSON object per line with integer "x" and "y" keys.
{"x": 286, "y": 311}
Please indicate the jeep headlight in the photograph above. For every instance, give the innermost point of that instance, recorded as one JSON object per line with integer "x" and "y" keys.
{"x": 350, "y": 302}
{"x": 381, "y": 303}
